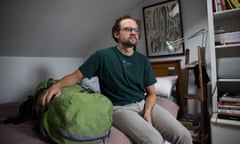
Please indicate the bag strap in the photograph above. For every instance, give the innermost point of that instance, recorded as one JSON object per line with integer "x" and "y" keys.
{"x": 27, "y": 108}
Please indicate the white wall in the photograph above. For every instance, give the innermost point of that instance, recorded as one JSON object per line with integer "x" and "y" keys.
{"x": 56, "y": 28}
{"x": 20, "y": 75}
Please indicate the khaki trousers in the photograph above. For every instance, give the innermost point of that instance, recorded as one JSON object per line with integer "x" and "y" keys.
{"x": 129, "y": 119}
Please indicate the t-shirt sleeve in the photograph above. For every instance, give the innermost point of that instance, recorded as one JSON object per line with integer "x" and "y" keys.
{"x": 149, "y": 74}
{"x": 90, "y": 67}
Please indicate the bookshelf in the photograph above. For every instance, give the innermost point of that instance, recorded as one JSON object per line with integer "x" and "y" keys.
{"x": 225, "y": 71}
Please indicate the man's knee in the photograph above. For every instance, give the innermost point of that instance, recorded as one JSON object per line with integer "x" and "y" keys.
{"x": 151, "y": 139}
{"x": 184, "y": 138}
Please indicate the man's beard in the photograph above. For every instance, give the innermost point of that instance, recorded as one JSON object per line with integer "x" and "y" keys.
{"x": 128, "y": 44}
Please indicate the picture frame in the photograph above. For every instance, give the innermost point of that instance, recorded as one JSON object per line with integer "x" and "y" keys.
{"x": 162, "y": 23}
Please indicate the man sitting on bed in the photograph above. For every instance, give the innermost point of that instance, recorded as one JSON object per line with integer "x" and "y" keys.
{"x": 125, "y": 76}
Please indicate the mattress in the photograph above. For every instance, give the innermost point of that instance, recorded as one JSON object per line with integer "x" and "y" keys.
{"x": 25, "y": 133}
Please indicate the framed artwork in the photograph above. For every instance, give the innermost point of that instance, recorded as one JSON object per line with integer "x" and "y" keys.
{"x": 163, "y": 25}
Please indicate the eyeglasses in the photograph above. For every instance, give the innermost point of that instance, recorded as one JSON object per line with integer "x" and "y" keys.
{"x": 130, "y": 29}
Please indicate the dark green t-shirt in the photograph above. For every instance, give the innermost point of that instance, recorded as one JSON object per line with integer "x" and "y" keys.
{"x": 122, "y": 78}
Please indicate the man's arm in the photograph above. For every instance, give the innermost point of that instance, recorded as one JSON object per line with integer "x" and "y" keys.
{"x": 55, "y": 90}
{"x": 150, "y": 102}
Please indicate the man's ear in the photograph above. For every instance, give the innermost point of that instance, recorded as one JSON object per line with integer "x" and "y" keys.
{"x": 116, "y": 35}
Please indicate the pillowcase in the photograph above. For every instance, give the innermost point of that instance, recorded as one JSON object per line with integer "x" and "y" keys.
{"x": 164, "y": 85}
{"x": 91, "y": 83}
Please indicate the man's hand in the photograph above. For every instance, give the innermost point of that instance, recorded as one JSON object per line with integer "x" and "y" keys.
{"x": 149, "y": 103}
{"x": 148, "y": 117}
{"x": 55, "y": 90}
{"x": 49, "y": 94}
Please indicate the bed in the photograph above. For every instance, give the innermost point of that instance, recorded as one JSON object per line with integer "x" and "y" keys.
{"x": 24, "y": 133}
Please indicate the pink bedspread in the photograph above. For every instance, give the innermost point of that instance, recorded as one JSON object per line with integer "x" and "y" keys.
{"x": 24, "y": 133}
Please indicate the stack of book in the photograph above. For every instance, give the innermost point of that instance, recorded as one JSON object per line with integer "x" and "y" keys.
{"x": 192, "y": 123}
{"x": 221, "y": 5}
{"x": 229, "y": 107}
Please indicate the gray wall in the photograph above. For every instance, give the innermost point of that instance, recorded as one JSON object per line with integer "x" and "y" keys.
{"x": 35, "y": 45}
{"x": 56, "y": 28}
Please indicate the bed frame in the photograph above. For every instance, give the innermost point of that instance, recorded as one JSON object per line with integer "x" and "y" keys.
{"x": 167, "y": 68}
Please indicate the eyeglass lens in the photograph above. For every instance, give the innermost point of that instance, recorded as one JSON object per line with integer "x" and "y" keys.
{"x": 130, "y": 29}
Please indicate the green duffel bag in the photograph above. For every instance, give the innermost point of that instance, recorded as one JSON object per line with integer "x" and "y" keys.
{"x": 76, "y": 117}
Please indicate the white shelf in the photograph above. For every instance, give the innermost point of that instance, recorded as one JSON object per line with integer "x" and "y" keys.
{"x": 228, "y": 80}
{"x": 216, "y": 120}
{"x": 223, "y": 130}
{"x": 226, "y": 13}
{"x": 228, "y": 46}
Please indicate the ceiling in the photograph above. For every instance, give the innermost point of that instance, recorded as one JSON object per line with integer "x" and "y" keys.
{"x": 57, "y": 28}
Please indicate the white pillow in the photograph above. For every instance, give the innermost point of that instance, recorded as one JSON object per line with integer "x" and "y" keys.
{"x": 164, "y": 85}
{"x": 91, "y": 83}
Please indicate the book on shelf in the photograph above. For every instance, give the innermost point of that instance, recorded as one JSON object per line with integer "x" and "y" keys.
{"x": 230, "y": 98}
{"x": 229, "y": 111}
{"x": 213, "y": 6}
{"x": 223, "y": 108}
{"x": 221, "y": 5}
{"x": 229, "y": 4}
{"x": 228, "y": 104}
{"x": 229, "y": 107}
{"x": 227, "y": 97}
{"x": 235, "y": 3}
{"x": 218, "y": 5}
{"x": 224, "y": 6}
{"x": 228, "y": 116}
